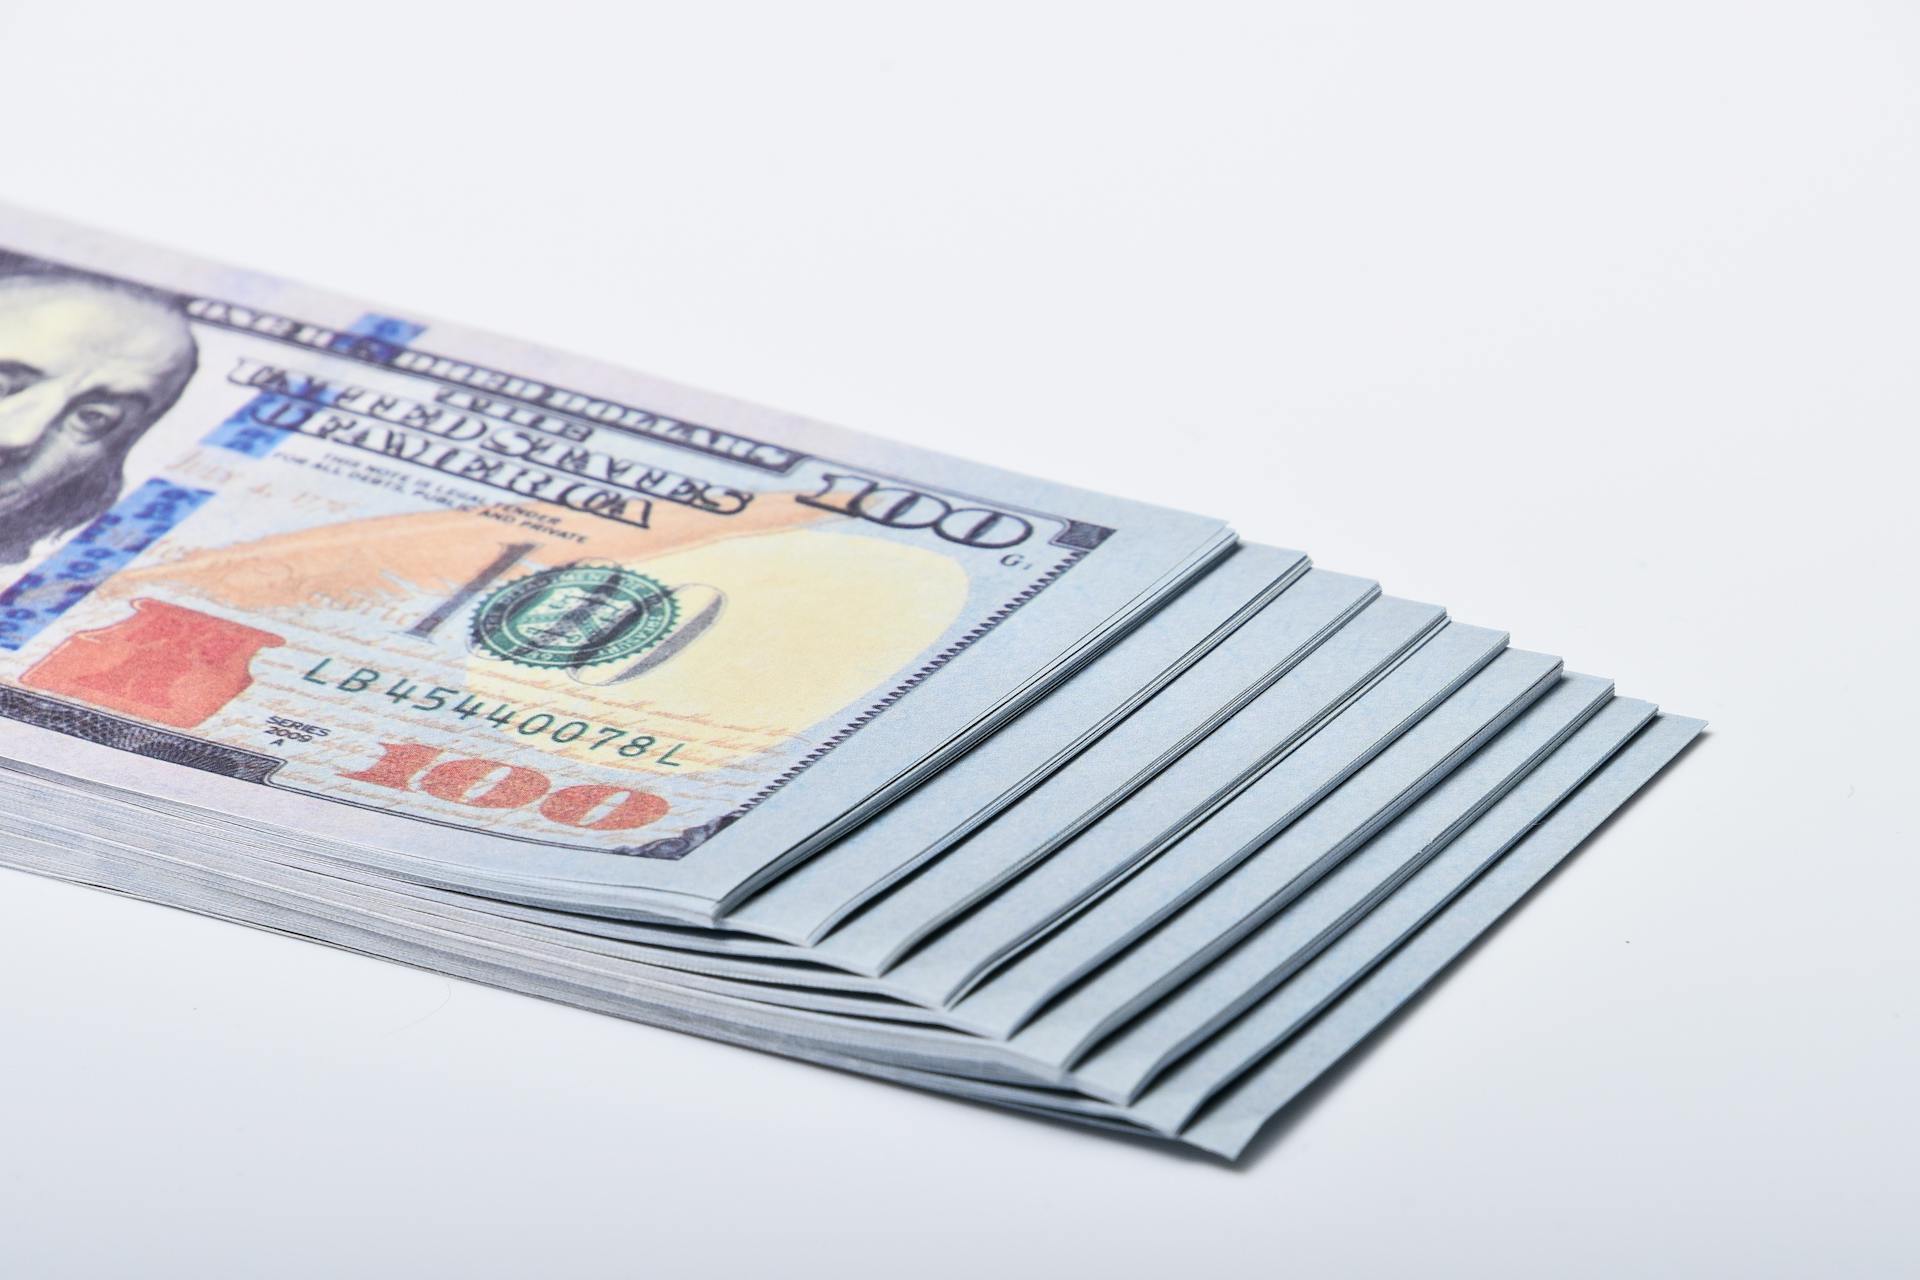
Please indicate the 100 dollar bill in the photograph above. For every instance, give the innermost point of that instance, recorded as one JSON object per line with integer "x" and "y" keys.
{"x": 433, "y": 575}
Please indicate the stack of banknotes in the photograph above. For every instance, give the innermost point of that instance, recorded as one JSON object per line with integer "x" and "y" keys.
{"x": 514, "y": 666}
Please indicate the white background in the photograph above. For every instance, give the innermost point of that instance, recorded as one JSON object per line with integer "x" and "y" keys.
{"x": 1594, "y": 322}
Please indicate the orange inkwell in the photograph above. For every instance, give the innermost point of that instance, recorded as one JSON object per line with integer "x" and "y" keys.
{"x": 165, "y": 663}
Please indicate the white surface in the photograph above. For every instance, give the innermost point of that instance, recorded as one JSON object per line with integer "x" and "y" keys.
{"x": 1595, "y": 322}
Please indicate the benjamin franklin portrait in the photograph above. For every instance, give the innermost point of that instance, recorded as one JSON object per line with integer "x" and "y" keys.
{"x": 86, "y": 366}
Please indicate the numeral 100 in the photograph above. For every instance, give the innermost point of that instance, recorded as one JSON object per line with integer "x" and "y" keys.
{"x": 897, "y": 507}
{"x": 495, "y": 784}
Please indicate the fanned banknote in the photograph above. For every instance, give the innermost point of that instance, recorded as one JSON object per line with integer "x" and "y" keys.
{"x": 327, "y": 618}
{"x": 555, "y": 621}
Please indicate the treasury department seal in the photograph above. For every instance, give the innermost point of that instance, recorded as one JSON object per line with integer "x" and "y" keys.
{"x": 575, "y": 616}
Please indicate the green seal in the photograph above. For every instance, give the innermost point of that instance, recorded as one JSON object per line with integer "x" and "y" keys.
{"x": 575, "y": 616}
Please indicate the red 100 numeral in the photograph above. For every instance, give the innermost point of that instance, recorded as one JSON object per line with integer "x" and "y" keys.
{"x": 495, "y": 784}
